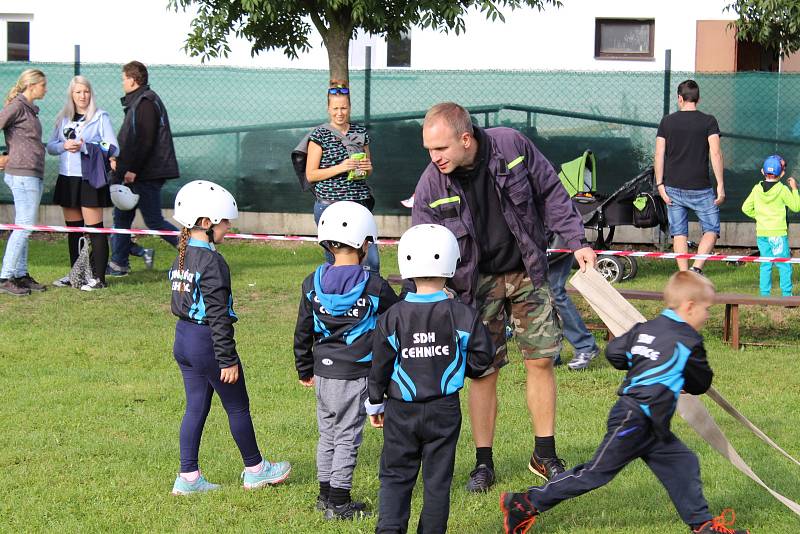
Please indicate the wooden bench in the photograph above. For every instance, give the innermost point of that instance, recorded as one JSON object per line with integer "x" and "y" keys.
{"x": 732, "y": 301}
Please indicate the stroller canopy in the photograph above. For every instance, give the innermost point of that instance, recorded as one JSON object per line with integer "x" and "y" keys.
{"x": 580, "y": 174}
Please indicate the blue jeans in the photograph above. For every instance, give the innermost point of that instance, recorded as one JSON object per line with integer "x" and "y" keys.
{"x": 574, "y": 328}
{"x": 373, "y": 263}
{"x": 775, "y": 247}
{"x": 150, "y": 205}
{"x": 27, "y": 192}
{"x": 700, "y": 201}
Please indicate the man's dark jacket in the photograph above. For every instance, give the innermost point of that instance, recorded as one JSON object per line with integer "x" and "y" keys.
{"x": 145, "y": 138}
{"x": 531, "y": 198}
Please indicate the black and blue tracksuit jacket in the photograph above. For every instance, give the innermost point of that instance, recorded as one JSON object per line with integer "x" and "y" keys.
{"x": 201, "y": 293}
{"x": 423, "y": 347}
{"x": 333, "y": 335}
{"x": 662, "y": 356}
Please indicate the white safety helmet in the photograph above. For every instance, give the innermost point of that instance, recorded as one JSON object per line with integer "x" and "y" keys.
{"x": 428, "y": 250}
{"x": 123, "y": 198}
{"x": 202, "y": 198}
{"x": 348, "y": 223}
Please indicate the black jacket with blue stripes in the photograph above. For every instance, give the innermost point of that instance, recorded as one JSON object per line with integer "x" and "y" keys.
{"x": 333, "y": 335}
{"x": 662, "y": 356}
{"x": 424, "y": 346}
{"x": 201, "y": 293}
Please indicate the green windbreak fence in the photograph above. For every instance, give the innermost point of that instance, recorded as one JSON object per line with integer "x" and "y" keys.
{"x": 238, "y": 126}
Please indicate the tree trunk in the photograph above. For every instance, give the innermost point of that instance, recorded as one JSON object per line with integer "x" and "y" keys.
{"x": 338, "y": 44}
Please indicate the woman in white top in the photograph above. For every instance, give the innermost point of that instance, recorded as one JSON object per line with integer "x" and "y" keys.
{"x": 79, "y": 125}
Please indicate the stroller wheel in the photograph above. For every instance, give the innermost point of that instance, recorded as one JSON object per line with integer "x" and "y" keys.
{"x": 631, "y": 267}
{"x": 611, "y": 268}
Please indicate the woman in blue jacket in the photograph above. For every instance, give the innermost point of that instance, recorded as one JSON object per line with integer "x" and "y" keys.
{"x": 81, "y": 128}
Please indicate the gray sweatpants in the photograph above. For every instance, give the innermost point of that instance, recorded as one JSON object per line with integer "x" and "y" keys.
{"x": 340, "y": 418}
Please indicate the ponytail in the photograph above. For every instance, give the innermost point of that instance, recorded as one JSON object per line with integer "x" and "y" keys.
{"x": 26, "y": 79}
{"x": 182, "y": 244}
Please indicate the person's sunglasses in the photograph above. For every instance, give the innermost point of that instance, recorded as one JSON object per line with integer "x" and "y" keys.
{"x": 339, "y": 91}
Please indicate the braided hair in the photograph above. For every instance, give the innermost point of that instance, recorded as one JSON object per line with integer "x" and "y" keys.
{"x": 182, "y": 244}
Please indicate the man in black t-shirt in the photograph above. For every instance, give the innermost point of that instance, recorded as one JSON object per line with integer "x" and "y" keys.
{"x": 685, "y": 142}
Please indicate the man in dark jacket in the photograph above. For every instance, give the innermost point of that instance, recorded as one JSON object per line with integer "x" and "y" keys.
{"x": 146, "y": 161}
{"x": 496, "y": 192}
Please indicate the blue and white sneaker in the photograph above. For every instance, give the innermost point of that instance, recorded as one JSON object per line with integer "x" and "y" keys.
{"x": 269, "y": 475}
{"x": 184, "y": 487}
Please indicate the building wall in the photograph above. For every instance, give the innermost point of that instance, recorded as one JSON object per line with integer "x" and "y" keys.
{"x": 116, "y": 31}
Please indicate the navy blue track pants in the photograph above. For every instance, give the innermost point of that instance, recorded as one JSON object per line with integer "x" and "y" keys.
{"x": 194, "y": 352}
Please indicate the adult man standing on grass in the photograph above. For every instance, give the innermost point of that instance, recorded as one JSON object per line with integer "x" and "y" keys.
{"x": 147, "y": 159}
{"x": 496, "y": 192}
{"x": 685, "y": 142}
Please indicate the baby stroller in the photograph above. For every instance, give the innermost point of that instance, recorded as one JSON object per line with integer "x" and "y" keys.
{"x": 635, "y": 203}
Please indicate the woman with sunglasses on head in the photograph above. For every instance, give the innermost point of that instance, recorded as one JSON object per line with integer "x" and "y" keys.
{"x": 339, "y": 162}
{"x": 80, "y": 128}
{"x": 24, "y": 169}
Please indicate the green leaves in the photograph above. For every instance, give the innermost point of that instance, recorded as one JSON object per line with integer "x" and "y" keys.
{"x": 774, "y": 24}
{"x": 286, "y": 24}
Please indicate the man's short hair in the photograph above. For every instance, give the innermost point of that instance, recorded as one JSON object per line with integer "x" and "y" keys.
{"x": 689, "y": 91}
{"x": 453, "y": 115}
{"x": 136, "y": 71}
{"x": 686, "y": 285}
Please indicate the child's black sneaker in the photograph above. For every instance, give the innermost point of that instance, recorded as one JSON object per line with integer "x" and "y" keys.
{"x": 322, "y": 503}
{"x": 720, "y": 524}
{"x": 519, "y": 514}
{"x": 546, "y": 468}
{"x": 350, "y": 511}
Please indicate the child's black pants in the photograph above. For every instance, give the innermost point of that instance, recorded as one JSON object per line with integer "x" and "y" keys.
{"x": 414, "y": 432}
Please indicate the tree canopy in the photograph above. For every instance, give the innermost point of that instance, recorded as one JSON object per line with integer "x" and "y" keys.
{"x": 286, "y": 24}
{"x": 774, "y": 24}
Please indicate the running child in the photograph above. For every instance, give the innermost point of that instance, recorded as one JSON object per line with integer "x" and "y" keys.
{"x": 767, "y": 203}
{"x": 339, "y": 305}
{"x": 422, "y": 349}
{"x": 204, "y": 346}
{"x": 662, "y": 357}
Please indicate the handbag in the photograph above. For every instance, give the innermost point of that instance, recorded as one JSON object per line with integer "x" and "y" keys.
{"x": 81, "y": 272}
{"x": 649, "y": 210}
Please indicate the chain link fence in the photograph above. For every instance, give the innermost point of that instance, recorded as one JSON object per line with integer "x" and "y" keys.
{"x": 238, "y": 126}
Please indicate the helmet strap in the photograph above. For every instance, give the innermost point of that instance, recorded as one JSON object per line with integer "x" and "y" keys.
{"x": 210, "y": 233}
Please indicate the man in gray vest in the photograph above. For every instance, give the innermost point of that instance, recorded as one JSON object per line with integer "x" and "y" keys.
{"x": 146, "y": 161}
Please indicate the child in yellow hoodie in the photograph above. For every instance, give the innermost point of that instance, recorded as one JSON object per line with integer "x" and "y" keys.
{"x": 767, "y": 204}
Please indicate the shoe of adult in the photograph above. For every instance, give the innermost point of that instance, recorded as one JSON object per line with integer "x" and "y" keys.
{"x": 112, "y": 269}
{"x": 26, "y": 281}
{"x": 481, "y": 479}
{"x": 7, "y": 285}
{"x": 62, "y": 282}
{"x": 581, "y": 360}
{"x": 546, "y": 468}
{"x": 149, "y": 255}
{"x": 93, "y": 285}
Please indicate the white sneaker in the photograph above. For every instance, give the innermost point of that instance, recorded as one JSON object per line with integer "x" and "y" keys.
{"x": 62, "y": 282}
{"x": 93, "y": 284}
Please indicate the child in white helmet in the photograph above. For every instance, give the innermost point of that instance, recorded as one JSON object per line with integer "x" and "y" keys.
{"x": 422, "y": 348}
{"x": 204, "y": 346}
{"x": 339, "y": 305}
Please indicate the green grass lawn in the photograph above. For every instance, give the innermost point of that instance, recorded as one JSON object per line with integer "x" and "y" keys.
{"x": 92, "y": 401}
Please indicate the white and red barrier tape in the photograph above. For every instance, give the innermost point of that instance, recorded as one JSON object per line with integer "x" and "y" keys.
{"x": 273, "y": 237}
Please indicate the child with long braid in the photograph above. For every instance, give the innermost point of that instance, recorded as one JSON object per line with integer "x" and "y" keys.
{"x": 204, "y": 346}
